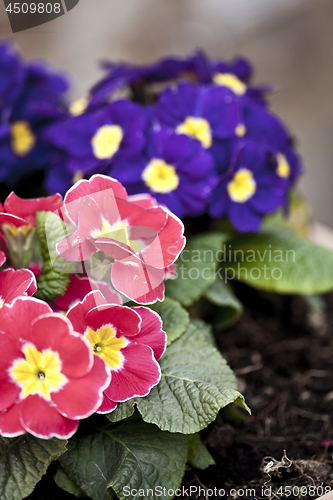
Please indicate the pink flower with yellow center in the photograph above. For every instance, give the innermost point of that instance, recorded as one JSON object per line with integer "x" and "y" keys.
{"x": 140, "y": 237}
{"x": 129, "y": 340}
{"x": 49, "y": 377}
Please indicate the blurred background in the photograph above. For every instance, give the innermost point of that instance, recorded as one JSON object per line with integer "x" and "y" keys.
{"x": 290, "y": 43}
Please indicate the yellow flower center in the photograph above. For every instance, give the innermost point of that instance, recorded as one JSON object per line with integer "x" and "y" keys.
{"x": 105, "y": 343}
{"x": 23, "y": 140}
{"x": 198, "y": 128}
{"x": 119, "y": 231}
{"x": 39, "y": 373}
{"x": 240, "y": 130}
{"x": 106, "y": 141}
{"x": 230, "y": 81}
{"x": 242, "y": 187}
{"x": 79, "y": 106}
{"x": 160, "y": 177}
{"x": 283, "y": 167}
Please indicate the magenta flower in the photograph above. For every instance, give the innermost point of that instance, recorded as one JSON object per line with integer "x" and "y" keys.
{"x": 140, "y": 237}
{"x": 49, "y": 378}
{"x": 15, "y": 283}
{"x": 129, "y": 340}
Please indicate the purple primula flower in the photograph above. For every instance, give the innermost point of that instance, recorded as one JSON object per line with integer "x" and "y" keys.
{"x": 249, "y": 191}
{"x": 125, "y": 75}
{"x": 96, "y": 141}
{"x": 36, "y": 101}
{"x": 176, "y": 170}
{"x": 207, "y": 113}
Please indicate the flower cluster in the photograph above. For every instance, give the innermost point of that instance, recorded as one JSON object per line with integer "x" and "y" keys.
{"x": 84, "y": 351}
{"x": 192, "y": 146}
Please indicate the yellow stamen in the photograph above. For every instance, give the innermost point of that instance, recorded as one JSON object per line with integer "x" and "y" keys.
{"x": 242, "y": 187}
{"x": 160, "y": 177}
{"x": 23, "y": 140}
{"x": 39, "y": 373}
{"x": 240, "y": 130}
{"x": 198, "y": 128}
{"x": 79, "y": 106}
{"x": 230, "y": 81}
{"x": 283, "y": 168}
{"x": 105, "y": 343}
{"x": 106, "y": 141}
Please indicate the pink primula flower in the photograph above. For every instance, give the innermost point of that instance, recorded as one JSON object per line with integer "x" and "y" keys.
{"x": 49, "y": 377}
{"x": 141, "y": 237}
{"x": 129, "y": 340}
{"x": 14, "y": 283}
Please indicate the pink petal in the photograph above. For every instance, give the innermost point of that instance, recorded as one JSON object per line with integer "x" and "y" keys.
{"x": 172, "y": 239}
{"x": 16, "y": 319}
{"x": 14, "y": 283}
{"x": 10, "y": 424}
{"x": 125, "y": 320}
{"x": 136, "y": 215}
{"x": 137, "y": 281}
{"x": 3, "y": 257}
{"x": 114, "y": 249}
{"x": 110, "y": 295}
{"x": 10, "y": 351}
{"x": 107, "y": 405}
{"x": 144, "y": 200}
{"x": 44, "y": 421}
{"x": 139, "y": 374}
{"x": 55, "y": 332}
{"x": 12, "y": 219}
{"x": 77, "y": 289}
{"x": 151, "y": 332}
{"x": 26, "y": 209}
{"x": 77, "y": 314}
{"x": 83, "y": 396}
{"x": 96, "y": 184}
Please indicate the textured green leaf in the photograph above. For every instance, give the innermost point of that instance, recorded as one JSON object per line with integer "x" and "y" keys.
{"x": 23, "y": 461}
{"x": 65, "y": 483}
{"x": 196, "y": 268}
{"x": 175, "y": 318}
{"x": 56, "y": 270}
{"x": 281, "y": 262}
{"x": 197, "y": 454}
{"x": 231, "y": 308}
{"x": 196, "y": 383}
{"x": 128, "y": 456}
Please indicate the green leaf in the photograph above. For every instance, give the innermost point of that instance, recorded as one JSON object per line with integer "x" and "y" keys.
{"x": 196, "y": 383}
{"x": 197, "y": 454}
{"x": 23, "y": 461}
{"x": 282, "y": 262}
{"x": 56, "y": 270}
{"x": 175, "y": 318}
{"x": 196, "y": 268}
{"x": 126, "y": 457}
{"x": 64, "y": 482}
{"x": 231, "y": 308}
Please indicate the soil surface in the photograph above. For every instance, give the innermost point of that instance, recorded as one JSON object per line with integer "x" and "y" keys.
{"x": 281, "y": 351}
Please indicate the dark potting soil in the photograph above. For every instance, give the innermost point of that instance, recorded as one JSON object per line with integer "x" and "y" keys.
{"x": 282, "y": 352}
